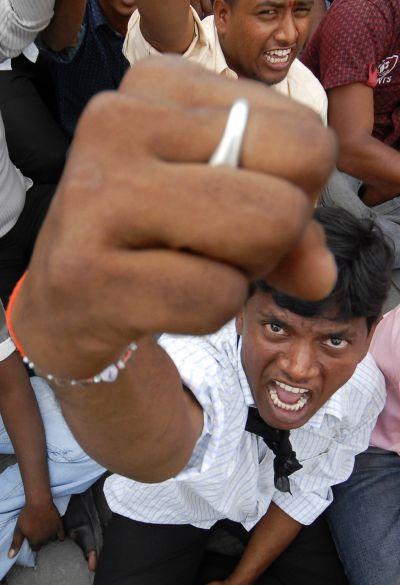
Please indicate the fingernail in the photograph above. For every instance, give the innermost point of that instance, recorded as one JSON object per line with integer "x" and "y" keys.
{"x": 11, "y": 553}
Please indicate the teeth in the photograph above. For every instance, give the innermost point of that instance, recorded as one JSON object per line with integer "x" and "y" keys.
{"x": 292, "y": 407}
{"x": 291, "y": 388}
{"x": 278, "y": 55}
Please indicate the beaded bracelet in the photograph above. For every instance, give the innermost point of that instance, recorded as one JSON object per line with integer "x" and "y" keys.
{"x": 108, "y": 375}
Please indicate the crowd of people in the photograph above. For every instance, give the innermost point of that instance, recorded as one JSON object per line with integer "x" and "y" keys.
{"x": 200, "y": 287}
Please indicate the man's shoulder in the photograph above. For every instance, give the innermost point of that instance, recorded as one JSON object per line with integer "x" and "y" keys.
{"x": 203, "y": 360}
{"x": 361, "y": 398}
{"x": 302, "y": 75}
{"x": 307, "y": 89}
{"x": 365, "y": 391}
{"x": 367, "y": 377}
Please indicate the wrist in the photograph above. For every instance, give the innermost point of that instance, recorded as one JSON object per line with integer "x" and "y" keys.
{"x": 38, "y": 499}
{"x": 237, "y": 578}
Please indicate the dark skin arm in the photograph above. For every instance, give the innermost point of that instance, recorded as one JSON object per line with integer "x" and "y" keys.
{"x": 272, "y": 535}
{"x": 39, "y": 520}
{"x": 64, "y": 27}
{"x": 168, "y": 26}
{"x": 166, "y": 263}
{"x": 351, "y": 114}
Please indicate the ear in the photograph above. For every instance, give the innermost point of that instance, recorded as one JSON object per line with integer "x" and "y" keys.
{"x": 222, "y": 12}
{"x": 239, "y": 323}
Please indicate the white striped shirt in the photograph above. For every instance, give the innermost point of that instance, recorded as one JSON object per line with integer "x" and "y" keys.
{"x": 20, "y": 23}
{"x": 230, "y": 474}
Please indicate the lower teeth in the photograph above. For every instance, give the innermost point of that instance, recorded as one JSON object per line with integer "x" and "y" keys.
{"x": 277, "y": 59}
{"x": 293, "y": 407}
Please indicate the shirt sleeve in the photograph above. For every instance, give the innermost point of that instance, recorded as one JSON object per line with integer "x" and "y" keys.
{"x": 136, "y": 47}
{"x": 223, "y": 414}
{"x": 20, "y": 23}
{"x": 67, "y": 55}
{"x": 385, "y": 346}
{"x": 352, "y": 43}
{"x": 7, "y": 346}
{"x": 311, "y": 486}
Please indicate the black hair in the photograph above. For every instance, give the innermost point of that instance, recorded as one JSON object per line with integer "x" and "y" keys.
{"x": 364, "y": 261}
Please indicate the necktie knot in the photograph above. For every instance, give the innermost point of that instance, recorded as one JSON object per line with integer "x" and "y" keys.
{"x": 285, "y": 462}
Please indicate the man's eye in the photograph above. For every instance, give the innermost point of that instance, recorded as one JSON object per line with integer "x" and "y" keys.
{"x": 267, "y": 12}
{"x": 336, "y": 342}
{"x": 274, "y": 328}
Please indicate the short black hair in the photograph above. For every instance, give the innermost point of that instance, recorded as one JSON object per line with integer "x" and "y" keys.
{"x": 364, "y": 261}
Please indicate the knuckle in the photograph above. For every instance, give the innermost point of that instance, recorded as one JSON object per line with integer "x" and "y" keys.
{"x": 97, "y": 110}
{"x": 319, "y": 153}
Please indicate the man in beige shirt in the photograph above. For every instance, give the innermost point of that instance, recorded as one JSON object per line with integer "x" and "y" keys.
{"x": 257, "y": 39}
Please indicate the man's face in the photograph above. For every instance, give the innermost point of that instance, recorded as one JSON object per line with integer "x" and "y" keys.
{"x": 294, "y": 364}
{"x": 261, "y": 38}
{"x": 122, "y": 7}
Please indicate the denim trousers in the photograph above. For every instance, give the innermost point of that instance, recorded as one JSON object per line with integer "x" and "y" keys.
{"x": 365, "y": 519}
{"x": 71, "y": 471}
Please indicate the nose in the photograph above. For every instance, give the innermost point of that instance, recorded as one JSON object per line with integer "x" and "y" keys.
{"x": 287, "y": 33}
{"x": 298, "y": 363}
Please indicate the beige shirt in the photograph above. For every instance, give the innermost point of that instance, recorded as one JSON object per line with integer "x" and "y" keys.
{"x": 205, "y": 49}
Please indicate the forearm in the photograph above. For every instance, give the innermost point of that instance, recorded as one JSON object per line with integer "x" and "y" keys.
{"x": 24, "y": 20}
{"x": 371, "y": 161}
{"x": 144, "y": 425}
{"x": 64, "y": 27}
{"x": 272, "y": 535}
{"x": 168, "y": 26}
{"x": 22, "y": 420}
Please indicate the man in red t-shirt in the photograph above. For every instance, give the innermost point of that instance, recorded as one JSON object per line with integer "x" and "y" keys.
{"x": 355, "y": 53}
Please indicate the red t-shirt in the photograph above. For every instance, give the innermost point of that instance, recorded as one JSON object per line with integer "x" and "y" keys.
{"x": 359, "y": 41}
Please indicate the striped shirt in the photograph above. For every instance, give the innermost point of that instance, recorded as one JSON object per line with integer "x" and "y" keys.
{"x": 20, "y": 23}
{"x": 230, "y": 474}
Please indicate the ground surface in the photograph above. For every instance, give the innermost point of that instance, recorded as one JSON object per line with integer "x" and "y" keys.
{"x": 60, "y": 563}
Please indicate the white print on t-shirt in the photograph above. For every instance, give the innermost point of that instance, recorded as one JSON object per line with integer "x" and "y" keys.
{"x": 385, "y": 68}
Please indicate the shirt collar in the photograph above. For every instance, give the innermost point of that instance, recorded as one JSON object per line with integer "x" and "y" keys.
{"x": 248, "y": 397}
{"x": 220, "y": 61}
{"x": 221, "y": 66}
{"x": 336, "y": 407}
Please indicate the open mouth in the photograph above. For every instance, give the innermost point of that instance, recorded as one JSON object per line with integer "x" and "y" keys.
{"x": 278, "y": 56}
{"x": 286, "y": 397}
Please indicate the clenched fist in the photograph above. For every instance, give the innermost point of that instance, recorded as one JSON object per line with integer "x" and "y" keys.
{"x": 144, "y": 237}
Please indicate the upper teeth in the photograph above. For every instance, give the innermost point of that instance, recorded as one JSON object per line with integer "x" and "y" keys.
{"x": 284, "y": 405}
{"x": 279, "y": 52}
{"x": 291, "y": 388}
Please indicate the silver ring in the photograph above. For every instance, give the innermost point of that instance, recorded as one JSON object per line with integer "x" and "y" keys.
{"x": 229, "y": 149}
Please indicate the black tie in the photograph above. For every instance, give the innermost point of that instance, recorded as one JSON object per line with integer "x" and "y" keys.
{"x": 285, "y": 462}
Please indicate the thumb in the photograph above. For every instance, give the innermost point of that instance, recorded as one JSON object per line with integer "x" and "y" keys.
{"x": 309, "y": 270}
{"x": 18, "y": 539}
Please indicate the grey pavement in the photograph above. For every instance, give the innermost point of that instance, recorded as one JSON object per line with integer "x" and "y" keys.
{"x": 60, "y": 563}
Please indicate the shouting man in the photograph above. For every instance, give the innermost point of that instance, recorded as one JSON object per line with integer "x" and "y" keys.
{"x": 179, "y": 246}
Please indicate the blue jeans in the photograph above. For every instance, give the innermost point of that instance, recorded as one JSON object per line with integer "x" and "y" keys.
{"x": 365, "y": 519}
{"x": 71, "y": 472}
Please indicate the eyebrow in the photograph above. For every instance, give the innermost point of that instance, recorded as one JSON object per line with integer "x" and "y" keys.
{"x": 281, "y": 3}
{"x": 339, "y": 331}
{"x": 271, "y": 317}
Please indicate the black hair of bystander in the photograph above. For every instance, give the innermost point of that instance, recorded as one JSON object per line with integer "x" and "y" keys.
{"x": 364, "y": 261}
